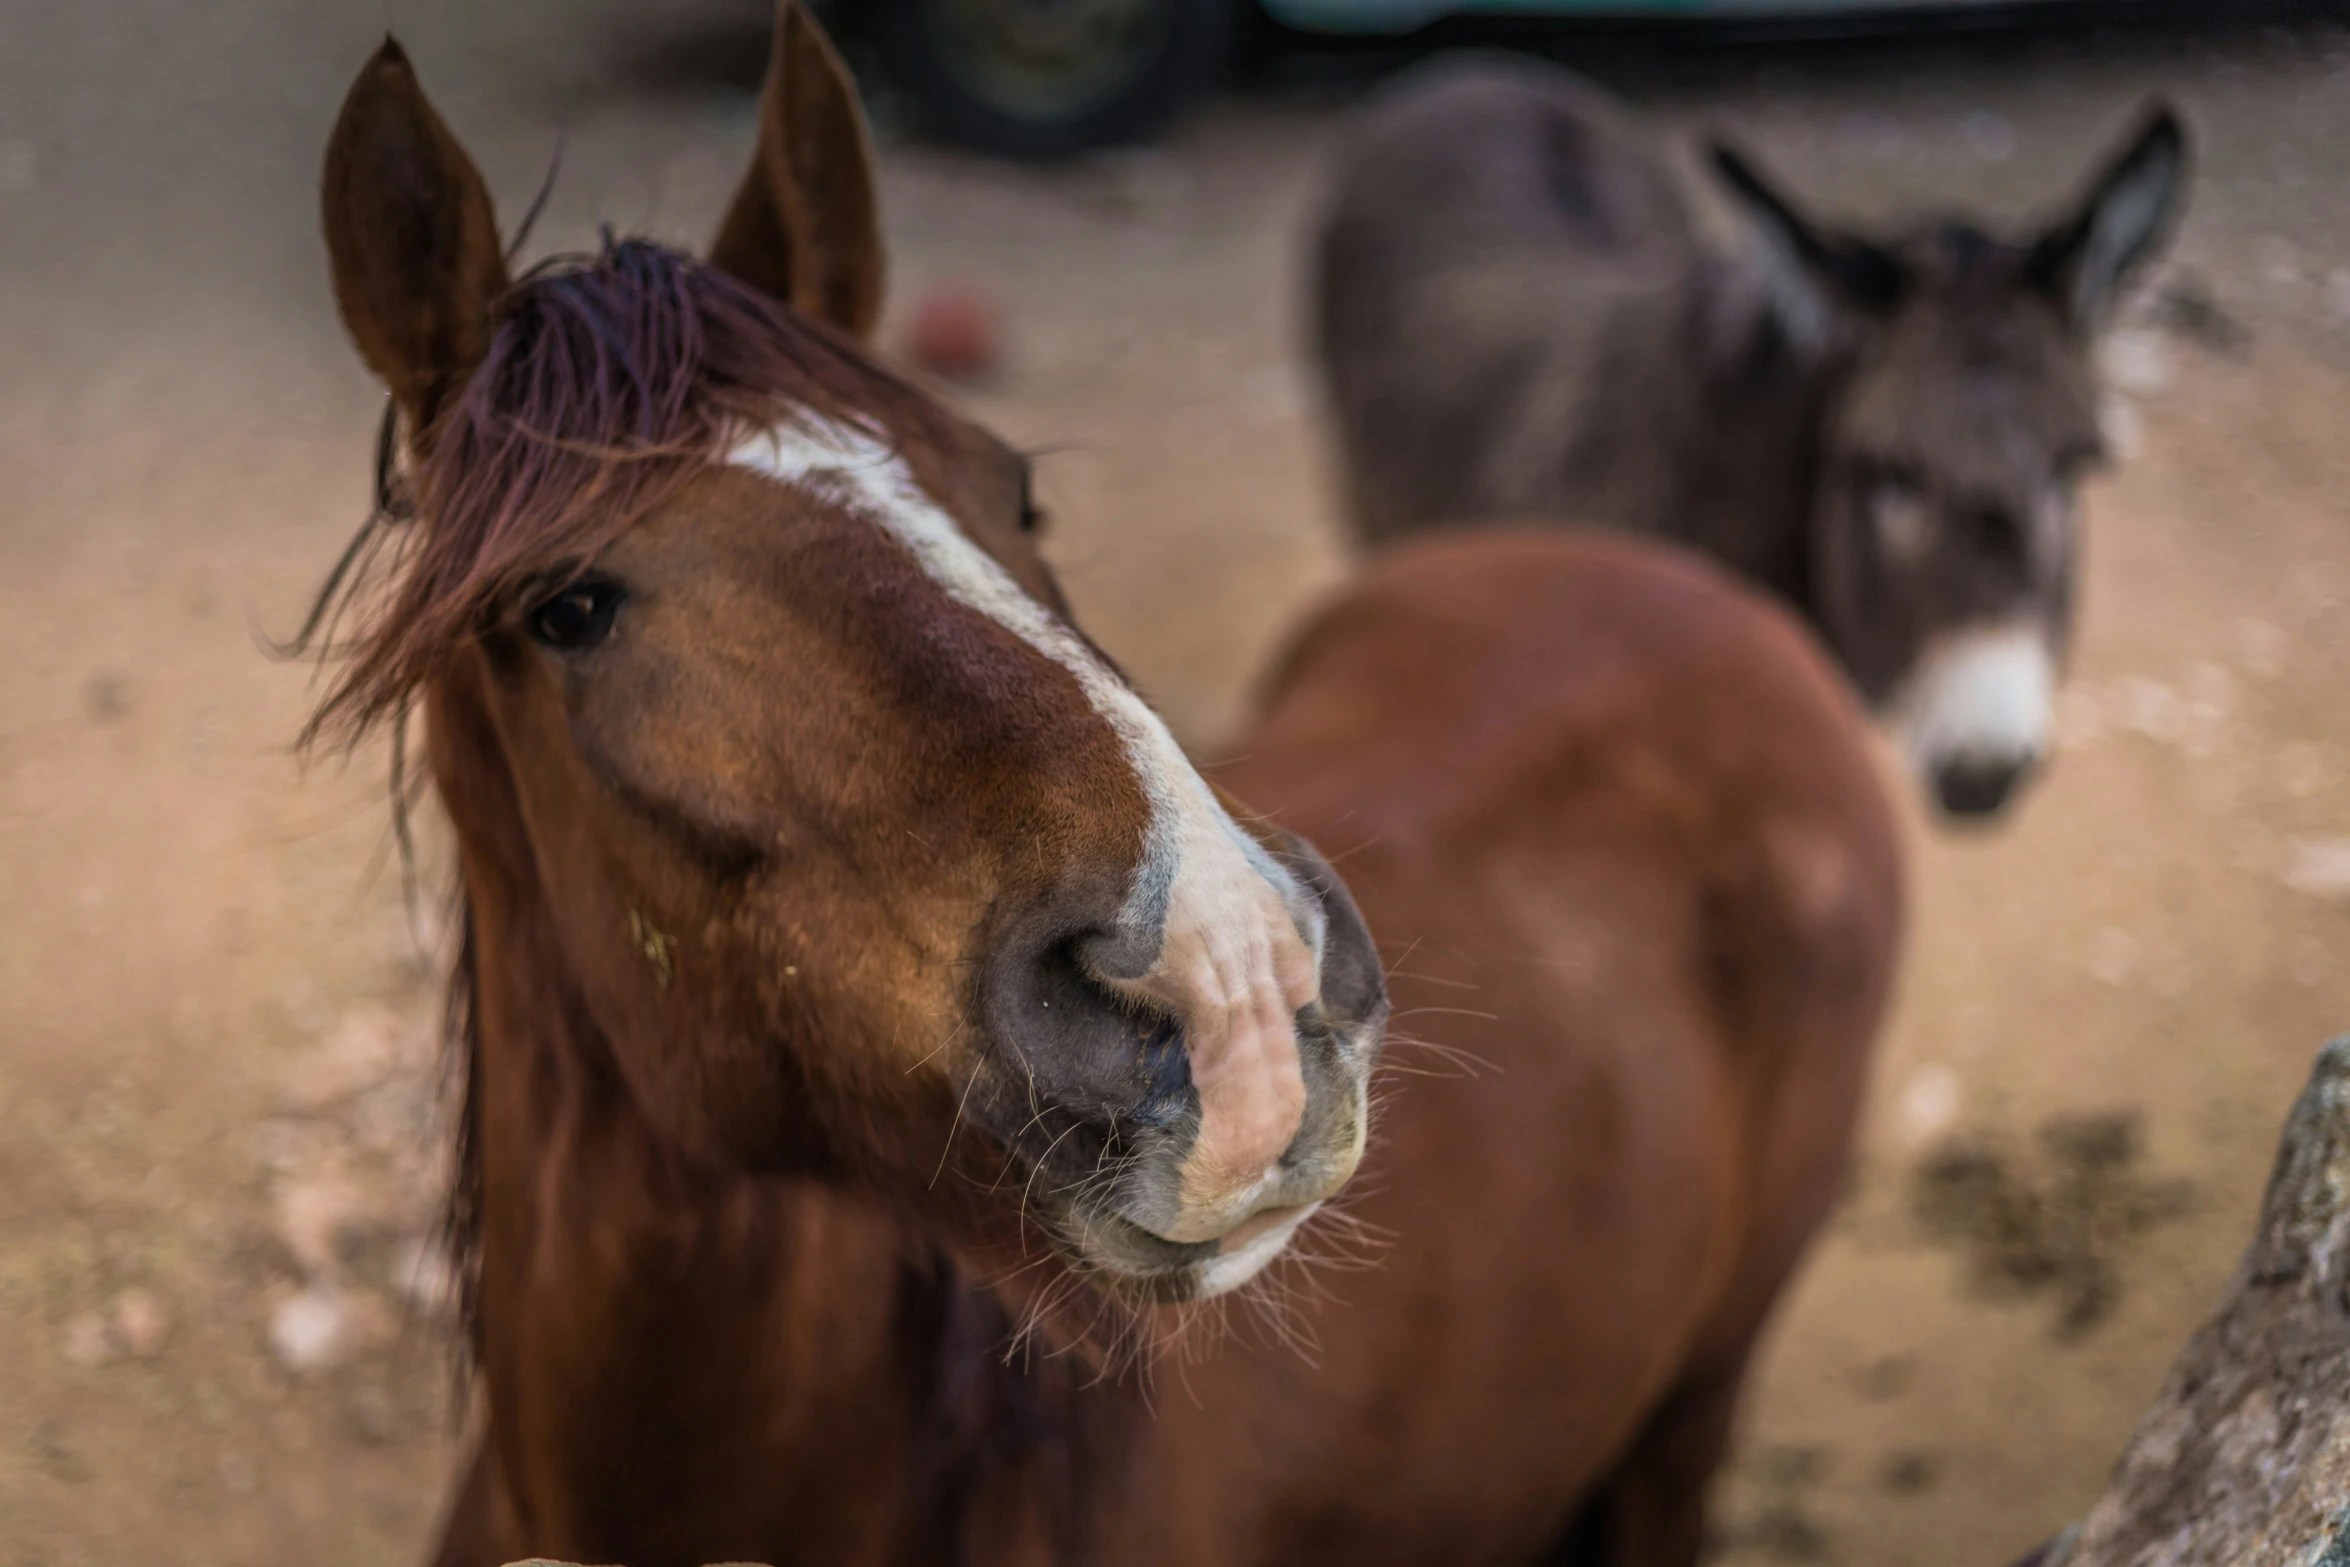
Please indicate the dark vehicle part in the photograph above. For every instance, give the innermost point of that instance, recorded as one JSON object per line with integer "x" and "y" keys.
{"x": 1041, "y": 79}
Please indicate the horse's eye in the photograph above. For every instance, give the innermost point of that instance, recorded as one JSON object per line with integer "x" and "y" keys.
{"x": 578, "y": 615}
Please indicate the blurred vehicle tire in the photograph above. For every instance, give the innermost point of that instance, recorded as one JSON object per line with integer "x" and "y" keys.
{"x": 1043, "y": 79}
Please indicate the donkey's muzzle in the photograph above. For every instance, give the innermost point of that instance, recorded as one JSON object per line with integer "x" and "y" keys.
{"x": 1973, "y": 788}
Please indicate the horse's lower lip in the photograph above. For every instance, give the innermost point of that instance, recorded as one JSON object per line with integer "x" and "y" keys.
{"x": 1263, "y": 1222}
{"x": 1251, "y": 1248}
{"x": 1196, "y": 1266}
{"x": 1124, "y": 1235}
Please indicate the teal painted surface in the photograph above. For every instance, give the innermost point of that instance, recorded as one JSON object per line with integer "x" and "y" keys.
{"x": 2337, "y": 1550}
{"x": 1402, "y": 16}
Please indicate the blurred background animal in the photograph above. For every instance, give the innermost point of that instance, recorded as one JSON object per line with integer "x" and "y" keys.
{"x": 1521, "y": 312}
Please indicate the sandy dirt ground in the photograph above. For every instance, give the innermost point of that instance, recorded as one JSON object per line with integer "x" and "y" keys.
{"x": 219, "y": 1334}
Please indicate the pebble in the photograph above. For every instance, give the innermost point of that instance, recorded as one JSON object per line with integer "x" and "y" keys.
{"x": 1929, "y": 1104}
{"x": 139, "y": 1323}
{"x": 310, "y": 1331}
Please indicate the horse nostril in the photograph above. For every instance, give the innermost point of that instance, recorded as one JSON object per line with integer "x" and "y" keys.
{"x": 1163, "y": 1069}
{"x": 1117, "y": 1056}
{"x": 1979, "y": 787}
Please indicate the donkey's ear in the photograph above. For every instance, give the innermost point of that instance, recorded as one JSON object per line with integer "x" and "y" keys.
{"x": 2119, "y": 224}
{"x": 414, "y": 242}
{"x": 805, "y": 227}
{"x": 1814, "y": 270}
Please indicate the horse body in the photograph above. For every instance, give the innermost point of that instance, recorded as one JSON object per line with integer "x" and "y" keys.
{"x": 1639, "y": 891}
{"x": 1640, "y": 894}
{"x": 859, "y": 984}
{"x": 1519, "y": 315}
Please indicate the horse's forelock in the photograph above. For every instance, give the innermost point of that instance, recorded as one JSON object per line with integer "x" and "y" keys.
{"x": 608, "y": 381}
{"x": 609, "y": 378}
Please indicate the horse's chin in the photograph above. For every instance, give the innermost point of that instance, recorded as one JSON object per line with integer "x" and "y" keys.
{"x": 1137, "y": 1267}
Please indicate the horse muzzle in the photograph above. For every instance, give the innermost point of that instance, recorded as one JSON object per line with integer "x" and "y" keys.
{"x": 1173, "y": 1131}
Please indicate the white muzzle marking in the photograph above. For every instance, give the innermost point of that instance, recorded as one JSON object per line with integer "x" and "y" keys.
{"x": 1235, "y": 1267}
{"x": 1983, "y": 696}
{"x": 1240, "y": 940}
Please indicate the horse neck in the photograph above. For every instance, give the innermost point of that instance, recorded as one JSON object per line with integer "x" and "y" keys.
{"x": 773, "y": 1342}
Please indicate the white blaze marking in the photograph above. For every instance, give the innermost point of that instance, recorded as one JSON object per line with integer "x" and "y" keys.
{"x": 1233, "y": 963}
{"x": 1986, "y": 694}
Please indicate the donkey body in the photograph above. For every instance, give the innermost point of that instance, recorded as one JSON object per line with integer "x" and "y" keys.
{"x": 1520, "y": 314}
{"x": 858, "y": 984}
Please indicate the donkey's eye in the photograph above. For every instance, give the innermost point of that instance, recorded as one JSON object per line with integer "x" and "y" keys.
{"x": 577, "y": 615}
{"x": 1999, "y": 533}
{"x": 1897, "y": 510}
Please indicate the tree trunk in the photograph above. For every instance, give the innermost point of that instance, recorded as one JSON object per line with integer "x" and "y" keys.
{"x": 2244, "y": 1460}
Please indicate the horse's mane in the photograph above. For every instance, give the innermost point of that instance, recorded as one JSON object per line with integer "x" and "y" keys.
{"x": 608, "y": 379}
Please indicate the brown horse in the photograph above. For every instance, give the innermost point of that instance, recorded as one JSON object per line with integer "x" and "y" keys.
{"x": 854, "y": 966}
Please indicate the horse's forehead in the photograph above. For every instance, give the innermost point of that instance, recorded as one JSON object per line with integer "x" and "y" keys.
{"x": 811, "y": 583}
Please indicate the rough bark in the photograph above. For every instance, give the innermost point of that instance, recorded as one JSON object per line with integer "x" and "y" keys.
{"x": 2244, "y": 1460}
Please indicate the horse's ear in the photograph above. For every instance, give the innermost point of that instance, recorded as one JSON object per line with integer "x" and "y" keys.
{"x": 805, "y": 227}
{"x": 1815, "y": 272}
{"x": 2119, "y": 224}
{"x": 413, "y": 239}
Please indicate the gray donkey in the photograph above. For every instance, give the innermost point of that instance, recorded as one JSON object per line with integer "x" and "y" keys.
{"x": 1521, "y": 315}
